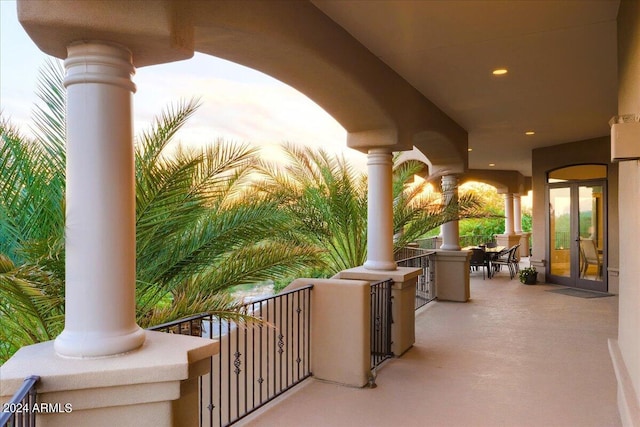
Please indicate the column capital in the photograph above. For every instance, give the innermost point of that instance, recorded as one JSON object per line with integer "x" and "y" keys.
{"x": 451, "y": 178}
{"x": 99, "y": 62}
{"x": 379, "y": 156}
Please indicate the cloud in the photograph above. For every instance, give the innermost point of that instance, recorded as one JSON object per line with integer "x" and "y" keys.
{"x": 261, "y": 111}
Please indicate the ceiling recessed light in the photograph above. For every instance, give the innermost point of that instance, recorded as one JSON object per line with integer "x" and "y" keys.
{"x": 500, "y": 71}
{"x": 469, "y": 149}
{"x": 492, "y": 164}
{"x": 529, "y": 132}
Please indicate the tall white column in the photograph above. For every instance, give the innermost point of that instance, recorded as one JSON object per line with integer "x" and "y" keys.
{"x": 517, "y": 214}
{"x": 508, "y": 213}
{"x": 380, "y": 211}
{"x": 450, "y": 230}
{"x": 100, "y": 204}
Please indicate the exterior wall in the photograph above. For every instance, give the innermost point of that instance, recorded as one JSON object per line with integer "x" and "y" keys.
{"x": 582, "y": 152}
{"x": 628, "y": 368}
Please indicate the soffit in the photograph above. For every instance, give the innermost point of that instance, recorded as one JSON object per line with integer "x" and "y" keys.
{"x": 561, "y": 56}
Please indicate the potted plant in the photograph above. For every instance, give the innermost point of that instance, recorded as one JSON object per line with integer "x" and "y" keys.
{"x": 528, "y": 275}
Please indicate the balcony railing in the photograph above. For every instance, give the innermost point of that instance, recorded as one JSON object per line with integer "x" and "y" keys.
{"x": 20, "y": 411}
{"x": 258, "y": 360}
{"x": 381, "y": 321}
{"x": 428, "y": 242}
{"x": 467, "y": 240}
{"x": 424, "y": 259}
{"x": 475, "y": 240}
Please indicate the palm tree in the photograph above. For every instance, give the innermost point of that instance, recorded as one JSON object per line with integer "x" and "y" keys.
{"x": 199, "y": 228}
{"x": 327, "y": 200}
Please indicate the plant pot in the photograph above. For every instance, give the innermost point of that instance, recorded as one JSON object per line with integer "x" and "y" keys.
{"x": 529, "y": 280}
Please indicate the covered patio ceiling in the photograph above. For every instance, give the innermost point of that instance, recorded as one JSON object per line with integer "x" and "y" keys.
{"x": 560, "y": 56}
{"x": 393, "y": 73}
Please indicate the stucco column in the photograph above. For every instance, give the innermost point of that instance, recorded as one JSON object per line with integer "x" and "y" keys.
{"x": 517, "y": 214}
{"x": 450, "y": 231}
{"x": 380, "y": 211}
{"x": 100, "y": 204}
{"x": 508, "y": 213}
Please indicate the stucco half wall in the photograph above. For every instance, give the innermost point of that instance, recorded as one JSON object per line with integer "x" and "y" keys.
{"x": 340, "y": 329}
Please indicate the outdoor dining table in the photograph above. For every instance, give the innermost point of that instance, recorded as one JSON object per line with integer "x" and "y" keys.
{"x": 490, "y": 255}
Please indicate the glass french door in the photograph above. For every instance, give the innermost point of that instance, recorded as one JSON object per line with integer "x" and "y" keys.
{"x": 577, "y": 234}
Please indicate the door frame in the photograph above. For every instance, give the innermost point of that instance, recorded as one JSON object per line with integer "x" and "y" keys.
{"x": 574, "y": 280}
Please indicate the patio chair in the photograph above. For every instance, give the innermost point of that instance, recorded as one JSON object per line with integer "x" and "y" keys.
{"x": 510, "y": 259}
{"x": 478, "y": 260}
{"x": 589, "y": 256}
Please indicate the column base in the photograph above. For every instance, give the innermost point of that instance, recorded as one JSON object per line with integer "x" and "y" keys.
{"x": 80, "y": 345}
{"x": 380, "y": 265}
{"x": 452, "y": 275}
{"x": 450, "y": 247}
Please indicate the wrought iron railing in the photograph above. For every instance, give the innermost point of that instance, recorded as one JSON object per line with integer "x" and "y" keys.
{"x": 562, "y": 240}
{"x": 475, "y": 240}
{"x": 428, "y": 242}
{"x": 426, "y": 260}
{"x": 258, "y": 360}
{"x": 381, "y": 320}
{"x": 20, "y": 411}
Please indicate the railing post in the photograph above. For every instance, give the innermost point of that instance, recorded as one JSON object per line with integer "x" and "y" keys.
{"x": 452, "y": 271}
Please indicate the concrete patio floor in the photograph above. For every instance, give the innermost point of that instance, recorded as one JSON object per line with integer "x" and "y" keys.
{"x": 515, "y": 355}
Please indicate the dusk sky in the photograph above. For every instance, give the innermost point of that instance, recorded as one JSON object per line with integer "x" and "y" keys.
{"x": 238, "y": 103}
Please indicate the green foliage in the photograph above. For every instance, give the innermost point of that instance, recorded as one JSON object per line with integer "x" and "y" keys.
{"x": 32, "y": 177}
{"x": 493, "y": 205}
{"x": 326, "y": 199}
{"x": 527, "y": 273}
{"x": 527, "y": 223}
